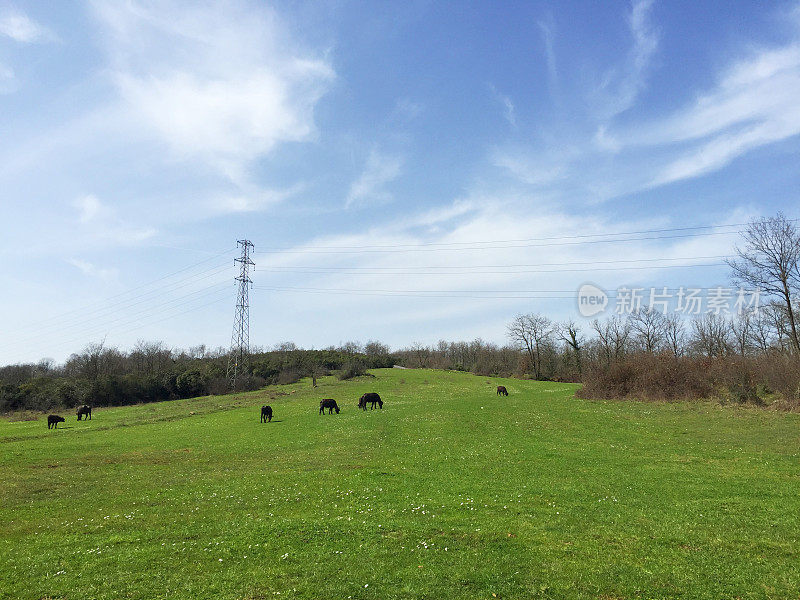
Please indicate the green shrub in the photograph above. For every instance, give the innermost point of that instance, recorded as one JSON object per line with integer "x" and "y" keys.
{"x": 353, "y": 368}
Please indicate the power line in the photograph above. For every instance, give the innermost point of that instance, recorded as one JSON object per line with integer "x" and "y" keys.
{"x": 136, "y": 291}
{"x": 476, "y": 294}
{"x": 126, "y": 304}
{"x": 400, "y": 248}
{"x": 515, "y": 272}
{"x": 142, "y": 323}
{"x": 585, "y": 237}
{"x": 124, "y": 320}
{"x": 314, "y": 268}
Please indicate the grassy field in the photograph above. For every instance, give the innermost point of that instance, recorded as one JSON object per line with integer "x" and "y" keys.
{"x": 449, "y": 492}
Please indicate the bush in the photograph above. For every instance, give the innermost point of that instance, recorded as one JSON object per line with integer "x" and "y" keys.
{"x": 219, "y": 386}
{"x": 649, "y": 377}
{"x": 781, "y": 373}
{"x": 192, "y": 383}
{"x": 736, "y": 380}
{"x": 288, "y": 376}
{"x": 249, "y": 383}
{"x": 354, "y": 368}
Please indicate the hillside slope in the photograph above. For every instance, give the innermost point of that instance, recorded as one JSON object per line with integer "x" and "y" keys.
{"x": 449, "y": 492}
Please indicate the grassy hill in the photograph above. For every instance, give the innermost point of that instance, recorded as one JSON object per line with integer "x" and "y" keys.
{"x": 448, "y": 492}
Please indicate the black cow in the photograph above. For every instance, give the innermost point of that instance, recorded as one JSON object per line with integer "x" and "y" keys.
{"x": 330, "y": 404}
{"x": 266, "y": 414}
{"x": 372, "y": 398}
{"x": 53, "y": 421}
{"x": 502, "y": 391}
{"x": 85, "y": 411}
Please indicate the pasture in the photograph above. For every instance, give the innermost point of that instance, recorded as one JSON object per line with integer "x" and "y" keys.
{"x": 450, "y": 492}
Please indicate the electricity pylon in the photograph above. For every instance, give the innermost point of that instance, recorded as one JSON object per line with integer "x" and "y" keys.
{"x": 240, "y": 339}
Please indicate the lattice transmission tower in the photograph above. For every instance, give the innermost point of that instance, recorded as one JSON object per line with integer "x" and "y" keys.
{"x": 240, "y": 339}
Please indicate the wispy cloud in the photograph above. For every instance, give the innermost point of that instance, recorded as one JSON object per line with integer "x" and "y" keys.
{"x": 370, "y": 187}
{"x": 478, "y": 246}
{"x": 101, "y": 221}
{"x": 532, "y": 168}
{"x": 89, "y": 208}
{"x": 547, "y": 28}
{"x": 751, "y": 103}
{"x": 622, "y": 85}
{"x": 754, "y": 104}
{"x": 509, "y": 110}
{"x": 91, "y": 270}
{"x": 17, "y": 26}
{"x": 21, "y": 28}
{"x": 255, "y": 200}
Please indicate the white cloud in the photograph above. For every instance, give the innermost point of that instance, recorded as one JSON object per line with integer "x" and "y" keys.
{"x": 89, "y": 208}
{"x": 539, "y": 169}
{"x": 455, "y": 258}
{"x": 91, "y": 270}
{"x": 754, "y": 104}
{"x": 621, "y": 86}
{"x": 219, "y": 83}
{"x": 547, "y": 28}
{"x": 370, "y": 186}
{"x": 509, "y": 110}
{"x": 255, "y": 200}
{"x": 758, "y": 88}
{"x": 102, "y": 221}
{"x": 21, "y": 28}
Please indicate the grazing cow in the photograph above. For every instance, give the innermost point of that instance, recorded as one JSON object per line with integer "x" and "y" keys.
{"x": 372, "y": 398}
{"x": 330, "y": 404}
{"x": 53, "y": 421}
{"x": 266, "y": 414}
{"x": 502, "y": 391}
{"x": 85, "y": 411}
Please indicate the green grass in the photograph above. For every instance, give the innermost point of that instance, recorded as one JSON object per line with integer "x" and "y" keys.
{"x": 450, "y": 492}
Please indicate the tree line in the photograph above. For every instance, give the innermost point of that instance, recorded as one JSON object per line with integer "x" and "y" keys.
{"x": 750, "y": 355}
{"x": 747, "y": 356}
{"x": 151, "y": 372}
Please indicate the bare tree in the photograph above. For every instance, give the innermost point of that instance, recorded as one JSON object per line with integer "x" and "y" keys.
{"x": 571, "y": 334}
{"x": 612, "y": 337}
{"x": 674, "y": 334}
{"x": 420, "y": 353}
{"x": 762, "y": 334}
{"x": 532, "y": 333}
{"x": 649, "y": 328}
{"x": 351, "y": 348}
{"x": 376, "y": 348}
{"x": 769, "y": 261}
{"x": 710, "y": 335}
{"x": 742, "y": 332}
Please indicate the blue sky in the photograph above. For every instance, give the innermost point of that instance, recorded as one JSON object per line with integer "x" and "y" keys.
{"x": 380, "y": 156}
